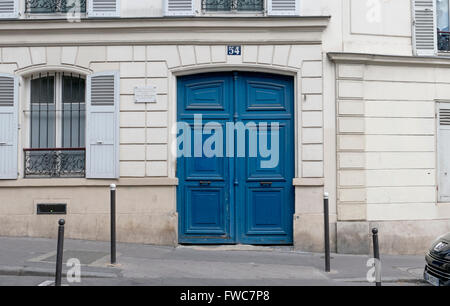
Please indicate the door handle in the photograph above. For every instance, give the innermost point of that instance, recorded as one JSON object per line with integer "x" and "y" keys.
{"x": 2, "y": 143}
{"x": 99, "y": 142}
{"x": 205, "y": 183}
{"x": 265, "y": 184}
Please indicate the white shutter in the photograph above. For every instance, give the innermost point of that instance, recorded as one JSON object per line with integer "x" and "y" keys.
{"x": 102, "y": 126}
{"x": 179, "y": 7}
{"x": 8, "y": 126}
{"x": 444, "y": 151}
{"x": 283, "y": 7}
{"x": 424, "y": 27}
{"x": 104, "y": 8}
{"x": 9, "y": 9}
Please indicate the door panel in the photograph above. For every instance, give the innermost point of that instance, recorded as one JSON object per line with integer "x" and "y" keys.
{"x": 206, "y": 211}
{"x": 238, "y": 199}
{"x": 265, "y": 194}
{"x": 204, "y": 189}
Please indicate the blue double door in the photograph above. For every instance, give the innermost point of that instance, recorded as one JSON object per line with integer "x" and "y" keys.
{"x": 236, "y": 158}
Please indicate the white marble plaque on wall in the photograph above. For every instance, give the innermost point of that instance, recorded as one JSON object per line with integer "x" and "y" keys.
{"x": 145, "y": 94}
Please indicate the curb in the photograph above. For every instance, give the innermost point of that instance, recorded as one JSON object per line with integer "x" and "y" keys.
{"x": 24, "y": 271}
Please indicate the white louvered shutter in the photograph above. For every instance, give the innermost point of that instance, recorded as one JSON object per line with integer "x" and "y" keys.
{"x": 179, "y": 7}
{"x": 104, "y": 8}
{"x": 425, "y": 36}
{"x": 8, "y": 126}
{"x": 444, "y": 152}
{"x": 283, "y": 7}
{"x": 9, "y": 9}
{"x": 102, "y": 126}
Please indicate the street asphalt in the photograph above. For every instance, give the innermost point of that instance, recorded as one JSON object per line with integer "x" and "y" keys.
{"x": 31, "y": 262}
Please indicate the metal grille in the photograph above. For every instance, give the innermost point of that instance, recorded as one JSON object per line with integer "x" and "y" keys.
{"x": 55, "y": 6}
{"x": 55, "y": 162}
{"x": 233, "y": 5}
{"x": 443, "y": 41}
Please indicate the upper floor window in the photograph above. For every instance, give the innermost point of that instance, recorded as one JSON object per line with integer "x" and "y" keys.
{"x": 232, "y": 5}
{"x": 55, "y": 6}
{"x": 196, "y": 7}
{"x": 70, "y": 9}
{"x": 442, "y": 23}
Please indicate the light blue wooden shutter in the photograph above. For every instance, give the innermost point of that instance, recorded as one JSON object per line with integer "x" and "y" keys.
{"x": 8, "y": 126}
{"x": 102, "y": 132}
{"x": 444, "y": 152}
{"x": 9, "y": 9}
{"x": 179, "y": 7}
{"x": 425, "y": 36}
{"x": 283, "y": 7}
{"x": 104, "y": 8}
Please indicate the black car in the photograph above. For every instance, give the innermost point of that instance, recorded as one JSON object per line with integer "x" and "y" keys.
{"x": 437, "y": 269}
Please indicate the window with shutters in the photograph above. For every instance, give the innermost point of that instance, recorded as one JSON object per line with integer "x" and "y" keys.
{"x": 251, "y": 7}
{"x": 57, "y": 116}
{"x": 444, "y": 151}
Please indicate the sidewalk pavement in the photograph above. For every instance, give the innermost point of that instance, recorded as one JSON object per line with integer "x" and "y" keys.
{"x": 31, "y": 262}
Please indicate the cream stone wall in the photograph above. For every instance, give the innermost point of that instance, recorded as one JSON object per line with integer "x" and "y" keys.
{"x": 145, "y": 129}
{"x": 147, "y": 185}
{"x": 387, "y": 147}
{"x": 145, "y": 214}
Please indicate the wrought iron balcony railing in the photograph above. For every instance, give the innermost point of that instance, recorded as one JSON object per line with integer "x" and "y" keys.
{"x": 443, "y": 41}
{"x": 51, "y": 163}
{"x": 233, "y": 5}
{"x": 55, "y": 6}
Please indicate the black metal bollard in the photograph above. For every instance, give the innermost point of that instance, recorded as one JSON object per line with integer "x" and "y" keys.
{"x": 59, "y": 253}
{"x": 376, "y": 255}
{"x": 326, "y": 216}
{"x": 113, "y": 223}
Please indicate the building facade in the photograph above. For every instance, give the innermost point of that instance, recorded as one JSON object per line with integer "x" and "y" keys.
{"x": 92, "y": 93}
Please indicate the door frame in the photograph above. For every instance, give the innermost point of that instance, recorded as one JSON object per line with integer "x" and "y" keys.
{"x": 210, "y": 68}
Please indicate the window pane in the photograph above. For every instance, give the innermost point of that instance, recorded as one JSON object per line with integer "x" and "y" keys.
{"x": 43, "y": 90}
{"x": 443, "y": 24}
{"x": 250, "y": 5}
{"x": 442, "y": 15}
{"x": 73, "y": 113}
{"x": 73, "y": 89}
{"x": 55, "y": 6}
{"x": 217, "y": 5}
{"x": 229, "y": 5}
{"x": 43, "y": 112}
